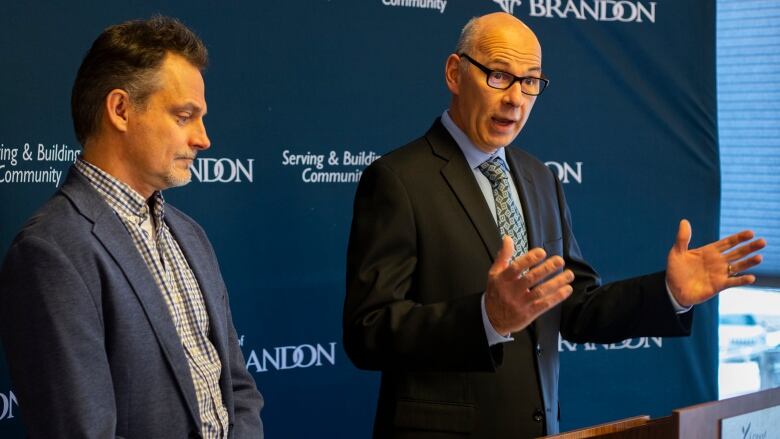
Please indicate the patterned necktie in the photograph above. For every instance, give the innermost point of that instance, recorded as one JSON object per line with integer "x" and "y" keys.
{"x": 510, "y": 221}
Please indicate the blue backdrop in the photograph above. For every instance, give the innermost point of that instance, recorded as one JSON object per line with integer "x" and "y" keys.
{"x": 303, "y": 95}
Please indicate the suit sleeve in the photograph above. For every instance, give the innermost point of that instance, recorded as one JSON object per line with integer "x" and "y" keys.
{"x": 635, "y": 307}
{"x": 385, "y": 328}
{"x": 53, "y": 336}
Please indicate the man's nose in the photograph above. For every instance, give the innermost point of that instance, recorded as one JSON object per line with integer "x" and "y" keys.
{"x": 514, "y": 95}
{"x": 200, "y": 140}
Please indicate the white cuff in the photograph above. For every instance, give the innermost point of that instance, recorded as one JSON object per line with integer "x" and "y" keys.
{"x": 677, "y": 307}
{"x": 493, "y": 337}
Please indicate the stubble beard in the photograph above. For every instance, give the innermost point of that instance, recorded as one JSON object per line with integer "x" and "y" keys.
{"x": 178, "y": 177}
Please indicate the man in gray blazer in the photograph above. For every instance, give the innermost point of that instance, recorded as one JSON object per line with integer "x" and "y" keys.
{"x": 113, "y": 313}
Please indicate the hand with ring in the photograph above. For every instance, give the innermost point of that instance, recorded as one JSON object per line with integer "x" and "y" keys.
{"x": 696, "y": 275}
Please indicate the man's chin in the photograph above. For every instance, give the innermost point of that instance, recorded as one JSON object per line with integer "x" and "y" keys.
{"x": 497, "y": 144}
{"x": 178, "y": 179}
{"x": 502, "y": 141}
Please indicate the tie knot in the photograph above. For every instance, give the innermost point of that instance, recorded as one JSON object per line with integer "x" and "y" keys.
{"x": 493, "y": 169}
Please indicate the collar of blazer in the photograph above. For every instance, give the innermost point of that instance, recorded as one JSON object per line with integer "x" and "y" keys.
{"x": 460, "y": 177}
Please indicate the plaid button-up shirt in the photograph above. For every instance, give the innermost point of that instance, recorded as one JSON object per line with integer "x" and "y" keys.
{"x": 177, "y": 284}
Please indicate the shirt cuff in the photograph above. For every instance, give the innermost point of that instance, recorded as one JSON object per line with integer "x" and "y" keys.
{"x": 679, "y": 309}
{"x": 493, "y": 337}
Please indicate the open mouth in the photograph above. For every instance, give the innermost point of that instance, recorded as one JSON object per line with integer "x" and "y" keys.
{"x": 503, "y": 122}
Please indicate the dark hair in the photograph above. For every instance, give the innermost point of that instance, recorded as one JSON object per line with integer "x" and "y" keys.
{"x": 128, "y": 56}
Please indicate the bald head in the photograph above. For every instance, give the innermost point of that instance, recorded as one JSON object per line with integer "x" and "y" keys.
{"x": 472, "y": 33}
{"x": 496, "y": 44}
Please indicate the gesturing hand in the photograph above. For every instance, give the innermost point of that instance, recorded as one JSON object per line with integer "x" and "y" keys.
{"x": 519, "y": 291}
{"x": 696, "y": 275}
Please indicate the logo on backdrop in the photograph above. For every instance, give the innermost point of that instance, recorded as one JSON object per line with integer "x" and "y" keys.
{"x": 566, "y": 173}
{"x": 335, "y": 167}
{"x": 509, "y": 5}
{"x": 7, "y": 405}
{"x": 223, "y": 170}
{"x": 438, "y": 5}
{"x": 35, "y": 163}
{"x": 627, "y": 11}
{"x": 301, "y": 356}
{"x": 630, "y": 344}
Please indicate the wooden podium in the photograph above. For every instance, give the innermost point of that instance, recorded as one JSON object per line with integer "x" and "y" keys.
{"x": 694, "y": 422}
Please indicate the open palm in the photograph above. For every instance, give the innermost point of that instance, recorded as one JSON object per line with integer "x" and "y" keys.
{"x": 696, "y": 275}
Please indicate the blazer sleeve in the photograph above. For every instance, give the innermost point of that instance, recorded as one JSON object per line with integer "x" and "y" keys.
{"x": 385, "y": 328}
{"x": 635, "y": 307}
{"x": 53, "y": 336}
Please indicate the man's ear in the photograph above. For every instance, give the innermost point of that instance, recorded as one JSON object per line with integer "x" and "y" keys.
{"x": 117, "y": 105}
{"x": 452, "y": 74}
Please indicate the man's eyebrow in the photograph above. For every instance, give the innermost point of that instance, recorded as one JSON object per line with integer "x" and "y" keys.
{"x": 190, "y": 107}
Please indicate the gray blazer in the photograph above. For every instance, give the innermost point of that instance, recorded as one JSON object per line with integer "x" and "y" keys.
{"x": 92, "y": 350}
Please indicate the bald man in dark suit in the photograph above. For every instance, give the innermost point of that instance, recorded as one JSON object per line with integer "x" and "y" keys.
{"x": 462, "y": 266}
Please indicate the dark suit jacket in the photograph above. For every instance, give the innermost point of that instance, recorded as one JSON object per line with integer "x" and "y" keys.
{"x": 421, "y": 244}
{"x": 92, "y": 349}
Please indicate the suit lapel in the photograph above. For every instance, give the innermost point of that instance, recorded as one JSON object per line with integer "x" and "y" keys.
{"x": 460, "y": 178}
{"x": 112, "y": 234}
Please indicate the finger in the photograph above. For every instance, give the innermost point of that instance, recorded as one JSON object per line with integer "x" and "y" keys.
{"x": 554, "y": 284}
{"x": 550, "y": 300}
{"x": 745, "y": 250}
{"x": 523, "y": 263}
{"x": 504, "y": 255}
{"x": 542, "y": 271}
{"x": 683, "y": 236}
{"x": 555, "y": 297}
{"x": 738, "y": 281}
{"x": 733, "y": 240}
{"x": 746, "y": 264}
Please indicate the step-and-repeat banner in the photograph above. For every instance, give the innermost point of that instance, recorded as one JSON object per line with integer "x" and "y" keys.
{"x": 304, "y": 95}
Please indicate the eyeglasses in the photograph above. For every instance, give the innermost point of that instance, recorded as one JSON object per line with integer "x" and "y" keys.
{"x": 530, "y": 85}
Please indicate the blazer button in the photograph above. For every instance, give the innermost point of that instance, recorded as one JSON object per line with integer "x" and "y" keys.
{"x": 539, "y": 350}
{"x": 538, "y": 415}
